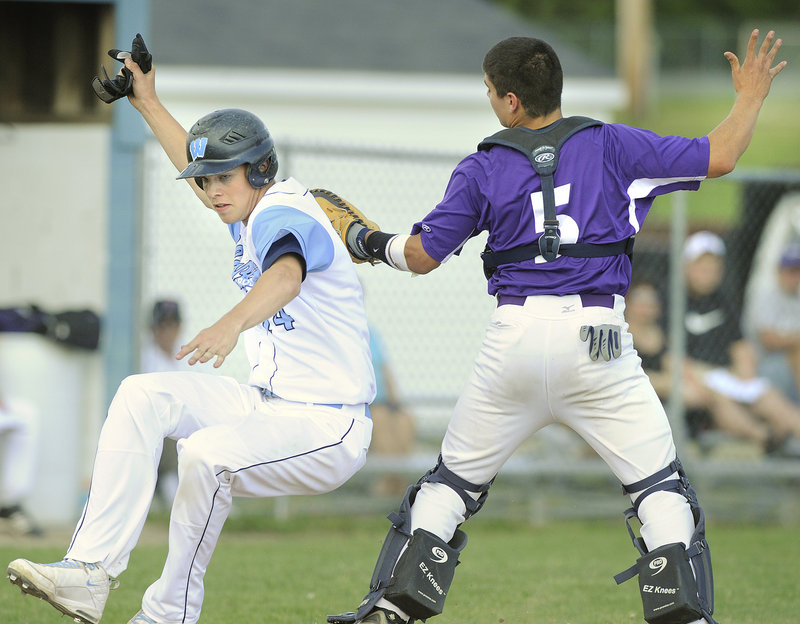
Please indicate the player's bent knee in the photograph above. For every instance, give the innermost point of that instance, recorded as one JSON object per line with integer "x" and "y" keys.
{"x": 193, "y": 457}
{"x": 128, "y": 387}
{"x": 472, "y": 494}
{"x": 666, "y": 517}
{"x": 134, "y": 394}
{"x": 137, "y": 382}
{"x": 132, "y": 414}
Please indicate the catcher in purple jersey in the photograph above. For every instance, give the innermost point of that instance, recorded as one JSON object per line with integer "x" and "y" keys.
{"x": 557, "y": 347}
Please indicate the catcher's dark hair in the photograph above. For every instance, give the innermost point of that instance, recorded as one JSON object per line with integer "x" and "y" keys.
{"x": 529, "y": 68}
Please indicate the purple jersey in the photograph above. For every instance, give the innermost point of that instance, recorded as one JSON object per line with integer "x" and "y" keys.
{"x": 606, "y": 181}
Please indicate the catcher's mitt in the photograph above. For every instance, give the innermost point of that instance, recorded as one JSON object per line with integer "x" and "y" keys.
{"x": 343, "y": 215}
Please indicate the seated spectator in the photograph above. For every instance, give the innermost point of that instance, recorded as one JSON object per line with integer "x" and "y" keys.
{"x": 160, "y": 347}
{"x": 722, "y": 364}
{"x": 644, "y": 312}
{"x": 777, "y": 325}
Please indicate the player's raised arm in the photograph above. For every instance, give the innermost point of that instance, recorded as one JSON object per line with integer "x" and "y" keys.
{"x": 752, "y": 80}
{"x": 170, "y": 134}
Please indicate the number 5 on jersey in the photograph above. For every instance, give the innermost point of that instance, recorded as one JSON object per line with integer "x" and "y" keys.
{"x": 567, "y": 226}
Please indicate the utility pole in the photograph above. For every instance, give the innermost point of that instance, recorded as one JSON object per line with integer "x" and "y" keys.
{"x": 635, "y": 52}
{"x": 125, "y": 197}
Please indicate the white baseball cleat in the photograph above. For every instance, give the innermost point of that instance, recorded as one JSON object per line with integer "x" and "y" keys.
{"x": 382, "y": 616}
{"x": 141, "y": 618}
{"x": 77, "y": 589}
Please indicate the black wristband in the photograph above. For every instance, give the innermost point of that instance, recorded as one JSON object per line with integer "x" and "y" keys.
{"x": 376, "y": 245}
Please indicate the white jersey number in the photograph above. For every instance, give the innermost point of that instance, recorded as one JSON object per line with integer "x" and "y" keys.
{"x": 566, "y": 224}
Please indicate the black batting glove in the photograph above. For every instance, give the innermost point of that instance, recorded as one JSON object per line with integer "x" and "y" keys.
{"x": 110, "y": 90}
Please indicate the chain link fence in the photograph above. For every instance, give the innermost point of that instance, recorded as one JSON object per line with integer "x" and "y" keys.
{"x": 432, "y": 328}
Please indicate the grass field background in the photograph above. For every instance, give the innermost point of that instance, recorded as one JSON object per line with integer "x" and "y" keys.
{"x": 511, "y": 573}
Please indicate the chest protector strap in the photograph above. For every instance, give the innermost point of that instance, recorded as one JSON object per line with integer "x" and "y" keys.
{"x": 542, "y": 149}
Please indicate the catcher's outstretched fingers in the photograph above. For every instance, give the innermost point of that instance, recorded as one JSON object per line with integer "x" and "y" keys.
{"x": 755, "y": 73}
{"x": 343, "y": 215}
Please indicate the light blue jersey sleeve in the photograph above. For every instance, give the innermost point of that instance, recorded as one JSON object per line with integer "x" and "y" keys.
{"x": 274, "y": 224}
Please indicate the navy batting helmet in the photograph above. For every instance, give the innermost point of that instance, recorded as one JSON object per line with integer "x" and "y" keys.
{"x": 226, "y": 139}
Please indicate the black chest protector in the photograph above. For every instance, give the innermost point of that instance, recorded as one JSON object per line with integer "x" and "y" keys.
{"x": 542, "y": 150}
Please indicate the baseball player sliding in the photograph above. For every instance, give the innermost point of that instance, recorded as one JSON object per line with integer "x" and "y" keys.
{"x": 561, "y": 200}
{"x": 299, "y": 426}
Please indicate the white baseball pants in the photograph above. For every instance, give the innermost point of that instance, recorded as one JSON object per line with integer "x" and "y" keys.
{"x": 533, "y": 370}
{"x": 231, "y": 442}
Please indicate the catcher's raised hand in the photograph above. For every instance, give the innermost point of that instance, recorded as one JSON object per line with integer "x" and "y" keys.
{"x": 755, "y": 74}
{"x": 343, "y": 216}
{"x": 143, "y": 89}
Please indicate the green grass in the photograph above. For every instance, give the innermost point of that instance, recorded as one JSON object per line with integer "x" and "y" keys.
{"x": 510, "y": 573}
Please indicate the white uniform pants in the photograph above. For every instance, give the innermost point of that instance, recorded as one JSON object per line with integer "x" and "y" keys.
{"x": 231, "y": 442}
{"x": 533, "y": 370}
{"x": 19, "y": 450}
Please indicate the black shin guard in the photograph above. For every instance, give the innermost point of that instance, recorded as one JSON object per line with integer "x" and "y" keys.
{"x": 673, "y": 591}
{"x": 423, "y": 574}
{"x": 417, "y": 578}
{"x": 668, "y": 587}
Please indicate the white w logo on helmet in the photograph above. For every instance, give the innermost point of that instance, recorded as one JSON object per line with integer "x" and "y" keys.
{"x": 197, "y": 148}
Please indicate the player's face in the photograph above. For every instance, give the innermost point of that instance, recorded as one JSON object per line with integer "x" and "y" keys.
{"x": 704, "y": 274}
{"x": 231, "y": 195}
{"x": 165, "y": 335}
{"x": 642, "y": 304}
{"x": 497, "y": 102}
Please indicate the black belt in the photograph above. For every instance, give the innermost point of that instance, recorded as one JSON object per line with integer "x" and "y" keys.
{"x": 602, "y": 301}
